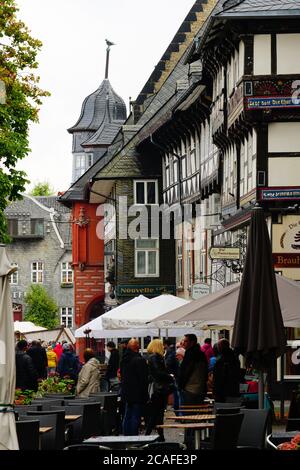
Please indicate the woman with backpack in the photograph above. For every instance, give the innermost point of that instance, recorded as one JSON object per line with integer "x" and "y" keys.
{"x": 68, "y": 364}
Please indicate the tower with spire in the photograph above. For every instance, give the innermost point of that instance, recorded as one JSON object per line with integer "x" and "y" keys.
{"x": 102, "y": 114}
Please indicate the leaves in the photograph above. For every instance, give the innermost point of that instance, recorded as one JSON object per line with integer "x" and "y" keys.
{"x": 40, "y": 308}
{"x": 18, "y": 53}
{"x": 42, "y": 189}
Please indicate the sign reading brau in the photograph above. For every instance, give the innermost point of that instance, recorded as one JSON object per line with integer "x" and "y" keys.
{"x": 286, "y": 245}
{"x": 150, "y": 291}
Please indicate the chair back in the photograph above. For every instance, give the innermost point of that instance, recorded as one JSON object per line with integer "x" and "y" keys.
{"x": 254, "y": 429}
{"x": 47, "y": 440}
{"x": 89, "y": 424}
{"x": 60, "y": 425}
{"x": 21, "y": 409}
{"x": 28, "y": 434}
{"x": 226, "y": 431}
{"x": 293, "y": 424}
{"x": 47, "y": 403}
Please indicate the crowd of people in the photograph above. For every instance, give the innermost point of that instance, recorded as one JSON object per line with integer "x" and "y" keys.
{"x": 185, "y": 370}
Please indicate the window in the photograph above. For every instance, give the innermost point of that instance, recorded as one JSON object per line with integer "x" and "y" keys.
{"x": 37, "y": 227}
{"x": 146, "y": 258}
{"x": 14, "y": 277}
{"x": 12, "y": 227}
{"x": 80, "y": 165}
{"x": 37, "y": 272}
{"x": 145, "y": 192}
{"x": 66, "y": 316}
{"x": 66, "y": 273}
{"x": 179, "y": 264}
{"x": 183, "y": 167}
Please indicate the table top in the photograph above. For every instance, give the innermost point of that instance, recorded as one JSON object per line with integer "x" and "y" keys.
{"x": 192, "y": 417}
{"x": 187, "y": 426}
{"x": 72, "y": 417}
{"x": 195, "y": 410}
{"x": 141, "y": 439}
{"x": 44, "y": 429}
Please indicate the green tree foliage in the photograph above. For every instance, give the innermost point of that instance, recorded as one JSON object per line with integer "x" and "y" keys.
{"x": 18, "y": 51}
{"x": 42, "y": 188}
{"x": 40, "y": 308}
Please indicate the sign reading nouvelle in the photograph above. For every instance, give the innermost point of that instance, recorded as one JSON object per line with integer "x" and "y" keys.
{"x": 224, "y": 252}
{"x": 150, "y": 291}
{"x": 199, "y": 290}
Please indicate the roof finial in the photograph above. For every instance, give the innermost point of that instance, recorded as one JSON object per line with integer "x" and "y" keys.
{"x": 109, "y": 44}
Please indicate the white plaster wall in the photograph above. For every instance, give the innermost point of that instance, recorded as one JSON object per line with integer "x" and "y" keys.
{"x": 262, "y": 54}
{"x": 284, "y": 171}
{"x": 288, "y": 47}
{"x": 284, "y": 137}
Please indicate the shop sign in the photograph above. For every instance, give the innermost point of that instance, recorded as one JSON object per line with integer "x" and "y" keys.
{"x": 224, "y": 253}
{"x": 272, "y": 102}
{"x": 286, "y": 260}
{"x": 148, "y": 291}
{"x": 200, "y": 290}
{"x": 280, "y": 194}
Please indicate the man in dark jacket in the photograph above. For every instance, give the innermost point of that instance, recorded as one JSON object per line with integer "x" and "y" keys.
{"x": 134, "y": 387}
{"x": 113, "y": 364}
{"x": 172, "y": 366}
{"x": 68, "y": 364}
{"x": 193, "y": 372}
{"x": 39, "y": 358}
{"x": 26, "y": 374}
{"x": 226, "y": 373}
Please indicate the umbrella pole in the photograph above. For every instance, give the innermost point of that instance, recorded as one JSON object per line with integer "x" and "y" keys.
{"x": 261, "y": 394}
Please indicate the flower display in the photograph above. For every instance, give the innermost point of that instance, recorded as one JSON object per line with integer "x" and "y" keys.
{"x": 294, "y": 444}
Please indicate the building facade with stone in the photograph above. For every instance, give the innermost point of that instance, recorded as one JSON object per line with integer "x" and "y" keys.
{"x": 41, "y": 247}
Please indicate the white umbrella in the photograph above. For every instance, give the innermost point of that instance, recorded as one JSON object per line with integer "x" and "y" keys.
{"x": 217, "y": 311}
{"x": 27, "y": 327}
{"x": 8, "y": 436}
{"x": 139, "y": 315}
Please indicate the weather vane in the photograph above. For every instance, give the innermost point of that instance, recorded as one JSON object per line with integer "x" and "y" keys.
{"x": 109, "y": 44}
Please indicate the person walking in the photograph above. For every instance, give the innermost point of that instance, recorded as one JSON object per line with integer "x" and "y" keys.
{"x": 26, "y": 374}
{"x": 89, "y": 376}
{"x": 111, "y": 374}
{"x": 161, "y": 384}
{"x": 39, "y": 358}
{"x": 193, "y": 372}
{"x": 58, "y": 351}
{"x": 52, "y": 360}
{"x": 172, "y": 365}
{"x": 68, "y": 364}
{"x": 134, "y": 387}
{"x": 226, "y": 373}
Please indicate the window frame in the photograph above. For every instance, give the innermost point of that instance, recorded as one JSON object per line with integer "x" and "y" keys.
{"x": 145, "y": 192}
{"x": 67, "y": 315}
{"x": 66, "y": 270}
{"x": 37, "y": 271}
{"x": 146, "y": 251}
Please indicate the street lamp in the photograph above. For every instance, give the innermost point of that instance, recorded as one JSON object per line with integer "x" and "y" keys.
{"x": 87, "y": 338}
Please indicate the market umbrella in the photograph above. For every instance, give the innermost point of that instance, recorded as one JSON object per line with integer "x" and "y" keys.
{"x": 258, "y": 332}
{"x": 8, "y": 436}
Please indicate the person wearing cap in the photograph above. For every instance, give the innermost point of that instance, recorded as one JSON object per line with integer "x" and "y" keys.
{"x": 68, "y": 364}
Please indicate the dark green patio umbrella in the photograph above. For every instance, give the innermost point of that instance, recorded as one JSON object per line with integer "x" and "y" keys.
{"x": 259, "y": 333}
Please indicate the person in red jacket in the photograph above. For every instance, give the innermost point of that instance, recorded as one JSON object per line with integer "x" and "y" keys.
{"x": 207, "y": 349}
{"x": 58, "y": 350}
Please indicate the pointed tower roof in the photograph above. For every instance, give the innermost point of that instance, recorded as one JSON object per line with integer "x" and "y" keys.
{"x": 104, "y": 105}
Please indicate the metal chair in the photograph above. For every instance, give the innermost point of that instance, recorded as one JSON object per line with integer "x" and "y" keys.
{"x": 28, "y": 434}
{"x": 253, "y": 430}
{"x": 60, "y": 424}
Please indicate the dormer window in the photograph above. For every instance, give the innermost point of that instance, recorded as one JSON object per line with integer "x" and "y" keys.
{"x": 82, "y": 163}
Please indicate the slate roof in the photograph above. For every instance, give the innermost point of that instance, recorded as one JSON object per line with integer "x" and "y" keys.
{"x": 94, "y": 109}
{"x": 260, "y": 7}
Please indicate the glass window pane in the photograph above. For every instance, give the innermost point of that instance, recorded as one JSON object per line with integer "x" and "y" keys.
{"x": 140, "y": 193}
{"x": 144, "y": 244}
{"x": 151, "y": 199}
{"x": 152, "y": 262}
{"x": 141, "y": 262}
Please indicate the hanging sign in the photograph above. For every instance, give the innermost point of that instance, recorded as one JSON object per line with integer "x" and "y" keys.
{"x": 223, "y": 253}
{"x": 199, "y": 290}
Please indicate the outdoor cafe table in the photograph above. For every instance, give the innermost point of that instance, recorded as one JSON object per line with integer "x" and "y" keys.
{"x": 121, "y": 442}
{"x": 194, "y": 410}
{"x": 71, "y": 418}
{"x": 192, "y": 418}
{"x": 197, "y": 427}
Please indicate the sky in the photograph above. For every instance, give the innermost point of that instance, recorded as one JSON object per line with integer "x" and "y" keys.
{"x": 72, "y": 65}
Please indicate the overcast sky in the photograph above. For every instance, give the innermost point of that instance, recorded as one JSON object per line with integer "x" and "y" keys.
{"x": 72, "y": 64}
